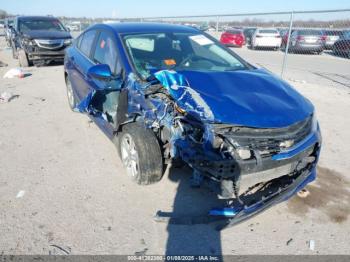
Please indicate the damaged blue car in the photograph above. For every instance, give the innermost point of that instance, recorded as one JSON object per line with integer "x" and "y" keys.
{"x": 165, "y": 93}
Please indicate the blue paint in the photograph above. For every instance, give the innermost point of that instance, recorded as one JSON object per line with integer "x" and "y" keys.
{"x": 253, "y": 98}
{"x": 250, "y": 98}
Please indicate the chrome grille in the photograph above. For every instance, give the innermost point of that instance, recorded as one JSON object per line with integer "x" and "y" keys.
{"x": 268, "y": 141}
{"x": 50, "y": 43}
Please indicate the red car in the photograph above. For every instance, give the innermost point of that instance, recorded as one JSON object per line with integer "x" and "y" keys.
{"x": 233, "y": 38}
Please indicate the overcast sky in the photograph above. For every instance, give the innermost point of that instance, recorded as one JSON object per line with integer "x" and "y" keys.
{"x": 144, "y": 8}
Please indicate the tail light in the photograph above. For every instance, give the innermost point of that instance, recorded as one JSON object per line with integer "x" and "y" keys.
{"x": 300, "y": 38}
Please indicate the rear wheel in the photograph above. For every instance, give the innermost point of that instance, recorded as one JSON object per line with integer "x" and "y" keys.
{"x": 23, "y": 59}
{"x": 140, "y": 153}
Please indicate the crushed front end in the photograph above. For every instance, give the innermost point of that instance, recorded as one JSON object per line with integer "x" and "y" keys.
{"x": 252, "y": 168}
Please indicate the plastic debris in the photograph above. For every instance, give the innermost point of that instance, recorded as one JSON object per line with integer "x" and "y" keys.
{"x": 304, "y": 193}
{"x": 297, "y": 81}
{"x": 6, "y": 97}
{"x": 20, "y": 194}
{"x": 14, "y": 72}
{"x": 312, "y": 244}
{"x": 289, "y": 241}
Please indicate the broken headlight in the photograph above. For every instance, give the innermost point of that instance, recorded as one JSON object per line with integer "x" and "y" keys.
{"x": 28, "y": 42}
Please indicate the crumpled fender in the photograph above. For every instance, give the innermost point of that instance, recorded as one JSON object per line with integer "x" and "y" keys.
{"x": 186, "y": 97}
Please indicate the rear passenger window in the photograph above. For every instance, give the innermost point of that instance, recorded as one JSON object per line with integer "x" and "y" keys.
{"x": 106, "y": 52}
{"x": 87, "y": 41}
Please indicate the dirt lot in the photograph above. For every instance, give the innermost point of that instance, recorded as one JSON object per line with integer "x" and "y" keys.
{"x": 77, "y": 199}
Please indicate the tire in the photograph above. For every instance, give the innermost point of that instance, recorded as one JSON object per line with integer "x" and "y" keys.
{"x": 22, "y": 58}
{"x": 72, "y": 100}
{"x": 140, "y": 153}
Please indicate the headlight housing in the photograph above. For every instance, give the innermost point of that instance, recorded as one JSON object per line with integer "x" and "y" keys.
{"x": 28, "y": 42}
{"x": 68, "y": 41}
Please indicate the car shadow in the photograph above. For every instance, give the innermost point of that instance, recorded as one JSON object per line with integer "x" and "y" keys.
{"x": 331, "y": 53}
{"x": 187, "y": 238}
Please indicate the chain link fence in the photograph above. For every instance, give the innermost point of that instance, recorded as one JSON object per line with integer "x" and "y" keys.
{"x": 302, "y": 46}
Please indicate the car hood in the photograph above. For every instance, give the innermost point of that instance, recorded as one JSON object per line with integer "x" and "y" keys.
{"x": 44, "y": 34}
{"x": 253, "y": 98}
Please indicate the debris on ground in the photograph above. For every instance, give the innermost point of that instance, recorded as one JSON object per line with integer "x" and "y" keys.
{"x": 20, "y": 194}
{"x": 15, "y": 72}
{"x": 289, "y": 241}
{"x": 141, "y": 253}
{"x": 67, "y": 252}
{"x": 304, "y": 193}
{"x": 297, "y": 81}
{"x": 312, "y": 244}
{"x": 6, "y": 97}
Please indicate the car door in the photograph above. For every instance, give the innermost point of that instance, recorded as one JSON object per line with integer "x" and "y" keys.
{"x": 80, "y": 59}
{"x": 106, "y": 97}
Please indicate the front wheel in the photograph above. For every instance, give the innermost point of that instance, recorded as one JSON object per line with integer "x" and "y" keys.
{"x": 23, "y": 59}
{"x": 70, "y": 94}
{"x": 140, "y": 153}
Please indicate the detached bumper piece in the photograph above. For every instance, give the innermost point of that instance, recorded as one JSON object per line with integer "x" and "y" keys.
{"x": 268, "y": 195}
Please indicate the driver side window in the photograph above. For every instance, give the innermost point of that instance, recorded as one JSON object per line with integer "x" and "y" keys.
{"x": 106, "y": 52}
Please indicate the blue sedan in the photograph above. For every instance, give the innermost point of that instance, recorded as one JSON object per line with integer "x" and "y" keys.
{"x": 164, "y": 93}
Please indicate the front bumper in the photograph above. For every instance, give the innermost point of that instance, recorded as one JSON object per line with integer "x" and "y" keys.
{"x": 219, "y": 168}
{"x": 308, "y": 47}
{"x": 239, "y": 213}
{"x": 46, "y": 55}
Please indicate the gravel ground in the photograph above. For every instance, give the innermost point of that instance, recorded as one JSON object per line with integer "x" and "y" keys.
{"x": 63, "y": 188}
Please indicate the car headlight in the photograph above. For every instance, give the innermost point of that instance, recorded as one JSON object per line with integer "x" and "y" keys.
{"x": 68, "y": 41}
{"x": 314, "y": 121}
{"x": 28, "y": 42}
{"x": 244, "y": 153}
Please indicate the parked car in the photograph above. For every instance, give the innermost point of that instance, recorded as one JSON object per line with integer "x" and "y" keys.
{"x": 285, "y": 38}
{"x": 248, "y": 33}
{"x": 163, "y": 92}
{"x": 330, "y": 37}
{"x": 39, "y": 40}
{"x": 2, "y": 27}
{"x": 342, "y": 46}
{"x": 307, "y": 40}
{"x": 8, "y": 27}
{"x": 233, "y": 37}
{"x": 266, "y": 38}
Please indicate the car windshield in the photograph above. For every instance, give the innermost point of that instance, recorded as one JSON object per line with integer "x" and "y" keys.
{"x": 333, "y": 33}
{"x": 235, "y": 32}
{"x": 178, "y": 51}
{"x": 309, "y": 32}
{"x": 346, "y": 35}
{"x": 268, "y": 31}
{"x": 45, "y": 24}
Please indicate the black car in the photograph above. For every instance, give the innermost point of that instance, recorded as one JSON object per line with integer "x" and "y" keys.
{"x": 39, "y": 40}
{"x": 342, "y": 46}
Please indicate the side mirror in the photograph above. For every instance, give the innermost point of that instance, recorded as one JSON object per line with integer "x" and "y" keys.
{"x": 100, "y": 72}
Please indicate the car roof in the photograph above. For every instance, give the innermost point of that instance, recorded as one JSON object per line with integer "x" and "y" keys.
{"x": 28, "y": 18}
{"x": 147, "y": 28}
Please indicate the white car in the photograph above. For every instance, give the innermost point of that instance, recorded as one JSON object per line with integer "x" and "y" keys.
{"x": 269, "y": 38}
